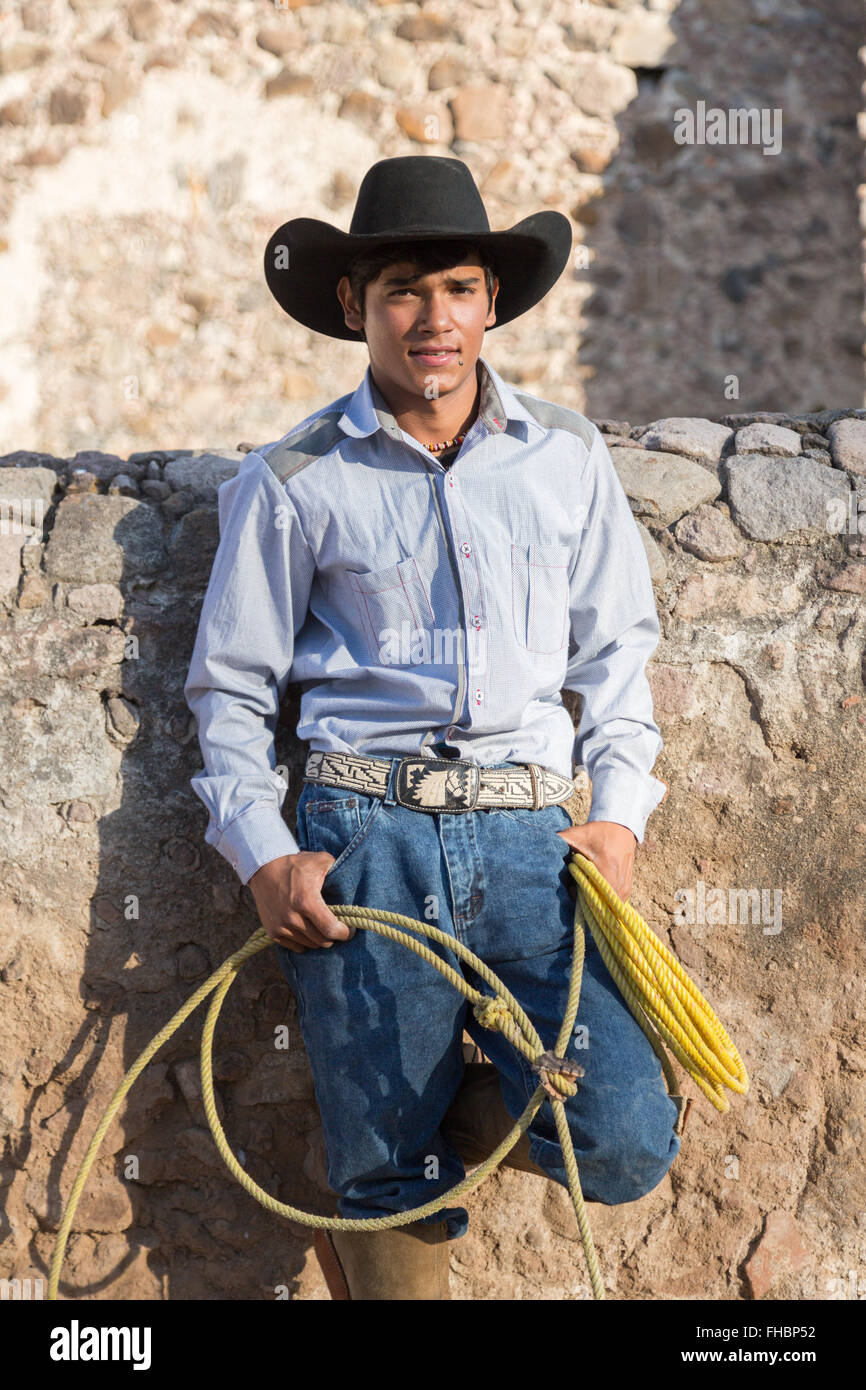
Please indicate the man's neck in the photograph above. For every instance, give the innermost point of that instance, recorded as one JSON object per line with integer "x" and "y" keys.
{"x": 432, "y": 421}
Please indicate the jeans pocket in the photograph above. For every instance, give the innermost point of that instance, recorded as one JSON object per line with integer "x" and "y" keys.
{"x": 337, "y": 821}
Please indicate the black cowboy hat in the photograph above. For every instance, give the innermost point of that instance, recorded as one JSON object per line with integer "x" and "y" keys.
{"x": 411, "y": 198}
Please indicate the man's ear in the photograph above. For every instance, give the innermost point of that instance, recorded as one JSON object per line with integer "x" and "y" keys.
{"x": 349, "y": 307}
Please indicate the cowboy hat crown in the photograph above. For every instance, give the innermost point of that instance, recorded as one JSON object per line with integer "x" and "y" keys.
{"x": 411, "y": 198}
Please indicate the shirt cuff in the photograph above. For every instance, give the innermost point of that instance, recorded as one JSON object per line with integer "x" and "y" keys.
{"x": 626, "y": 798}
{"x": 254, "y": 838}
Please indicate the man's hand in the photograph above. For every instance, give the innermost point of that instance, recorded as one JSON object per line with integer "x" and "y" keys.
{"x": 611, "y": 848}
{"x": 288, "y": 896}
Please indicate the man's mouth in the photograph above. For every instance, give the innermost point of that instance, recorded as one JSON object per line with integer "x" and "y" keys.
{"x": 430, "y": 354}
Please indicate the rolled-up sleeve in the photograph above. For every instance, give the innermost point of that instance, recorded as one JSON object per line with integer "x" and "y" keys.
{"x": 614, "y": 631}
{"x": 254, "y": 606}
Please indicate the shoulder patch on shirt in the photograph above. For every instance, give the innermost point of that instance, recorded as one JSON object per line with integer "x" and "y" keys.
{"x": 301, "y": 446}
{"x": 558, "y": 417}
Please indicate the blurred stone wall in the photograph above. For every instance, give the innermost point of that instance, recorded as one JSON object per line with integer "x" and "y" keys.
{"x": 150, "y": 148}
{"x": 114, "y": 910}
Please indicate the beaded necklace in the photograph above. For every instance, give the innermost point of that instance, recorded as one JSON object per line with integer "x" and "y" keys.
{"x": 446, "y": 443}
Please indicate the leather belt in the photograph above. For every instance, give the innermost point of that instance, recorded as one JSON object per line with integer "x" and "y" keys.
{"x": 433, "y": 784}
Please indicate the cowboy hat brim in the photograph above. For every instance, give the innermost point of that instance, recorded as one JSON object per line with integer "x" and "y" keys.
{"x": 305, "y": 258}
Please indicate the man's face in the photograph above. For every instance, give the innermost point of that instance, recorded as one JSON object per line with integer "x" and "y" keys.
{"x": 408, "y": 314}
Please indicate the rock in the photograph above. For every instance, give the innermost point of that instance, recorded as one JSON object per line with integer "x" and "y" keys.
{"x": 315, "y": 1164}
{"x": 104, "y": 50}
{"x": 25, "y": 496}
{"x": 657, "y": 564}
{"x": 104, "y": 1204}
{"x": 209, "y": 23}
{"x": 700, "y": 439}
{"x": 848, "y": 444}
{"x": 81, "y": 481}
{"x": 116, "y": 89}
{"x": 663, "y": 485}
{"x": 597, "y": 85}
{"x": 187, "y": 1074}
{"x": 767, "y": 439}
{"x": 102, "y": 540}
{"x": 426, "y": 28}
{"x": 200, "y": 474}
{"x": 144, "y": 19}
{"x": 278, "y": 39}
{"x": 480, "y": 112}
{"x": 395, "y": 65}
{"x": 708, "y": 533}
{"x": 155, "y": 490}
{"x": 277, "y": 1077}
{"x": 290, "y": 84}
{"x": 590, "y": 27}
{"x": 103, "y": 466}
{"x": 426, "y": 123}
{"x": 32, "y": 592}
{"x": 10, "y": 563}
{"x": 645, "y": 39}
{"x": 15, "y": 112}
{"x": 363, "y": 107}
{"x": 122, "y": 485}
{"x": 448, "y": 71}
{"x": 593, "y": 150}
{"x": 30, "y": 458}
{"x": 615, "y": 427}
{"x": 774, "y": 499}
{"x": 95, "y": 602}
{"x": 193, "y": 543}
{"x": 15, "y": 57}
{"x": 192, "y": 962}
{"x": 850, "y": 578}
{"x": 67, "y": 106}
{"x": 780, "y": 1250}
{"x": 122, "y": 720}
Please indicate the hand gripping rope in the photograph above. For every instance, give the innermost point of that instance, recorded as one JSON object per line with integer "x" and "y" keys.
{"x": 663, "y": 999}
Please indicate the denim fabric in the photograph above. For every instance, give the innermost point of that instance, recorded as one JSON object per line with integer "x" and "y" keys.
{"x": 383, "y": 1029}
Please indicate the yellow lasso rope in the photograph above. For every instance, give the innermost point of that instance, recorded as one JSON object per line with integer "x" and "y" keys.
{"x": 656, "y": 988}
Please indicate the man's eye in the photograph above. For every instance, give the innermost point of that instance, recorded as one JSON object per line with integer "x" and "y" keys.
{"x": 458, "y": 289}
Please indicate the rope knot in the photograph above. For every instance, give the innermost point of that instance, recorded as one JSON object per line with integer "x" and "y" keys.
{"x": 492, "y": 1012}
{"x": 557, "y": 1074}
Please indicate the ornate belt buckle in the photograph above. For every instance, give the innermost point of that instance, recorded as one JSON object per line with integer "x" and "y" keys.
{"x": 425, "y": 785}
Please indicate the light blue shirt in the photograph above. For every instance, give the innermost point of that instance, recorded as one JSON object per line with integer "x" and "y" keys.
{"x": 419, "y": 603}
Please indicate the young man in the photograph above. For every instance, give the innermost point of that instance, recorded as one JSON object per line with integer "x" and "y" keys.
{"x": 435, "y": 556}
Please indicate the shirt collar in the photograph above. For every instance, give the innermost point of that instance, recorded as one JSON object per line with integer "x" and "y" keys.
{"x": 368, "y": 410}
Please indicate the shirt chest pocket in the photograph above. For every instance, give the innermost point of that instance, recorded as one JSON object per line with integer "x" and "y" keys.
{"x": 394, "y": 613}
{"x": 539, "y": 595}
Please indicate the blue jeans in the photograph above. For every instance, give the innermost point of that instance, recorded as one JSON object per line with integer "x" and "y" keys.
{"x": 383, "y": 1029}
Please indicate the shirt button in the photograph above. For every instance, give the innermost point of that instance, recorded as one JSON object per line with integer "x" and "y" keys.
{"x": 479, "y": 696}
{"x": 476, "y": 620}
{"x": 466, "y": 548}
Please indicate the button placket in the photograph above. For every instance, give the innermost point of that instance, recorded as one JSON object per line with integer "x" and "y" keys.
{"x": 474, "y": 607}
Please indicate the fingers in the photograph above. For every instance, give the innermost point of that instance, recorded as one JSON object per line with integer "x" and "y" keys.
{"x": 297, "y": 916}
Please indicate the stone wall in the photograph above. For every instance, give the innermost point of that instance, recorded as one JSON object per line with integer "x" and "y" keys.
{"x": 149, "y": 148}
{"x": 114, "y": 910}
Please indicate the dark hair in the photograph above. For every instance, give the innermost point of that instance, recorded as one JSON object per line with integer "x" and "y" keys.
{"x": 424, "y": 255}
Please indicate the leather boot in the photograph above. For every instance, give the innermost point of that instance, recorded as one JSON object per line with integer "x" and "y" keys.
{"x": 404, "y": 1262}
{"x": 478, "y": 1120}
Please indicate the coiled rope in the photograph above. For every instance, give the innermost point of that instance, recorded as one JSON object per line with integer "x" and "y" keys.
{"x": 663, "y": 999}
